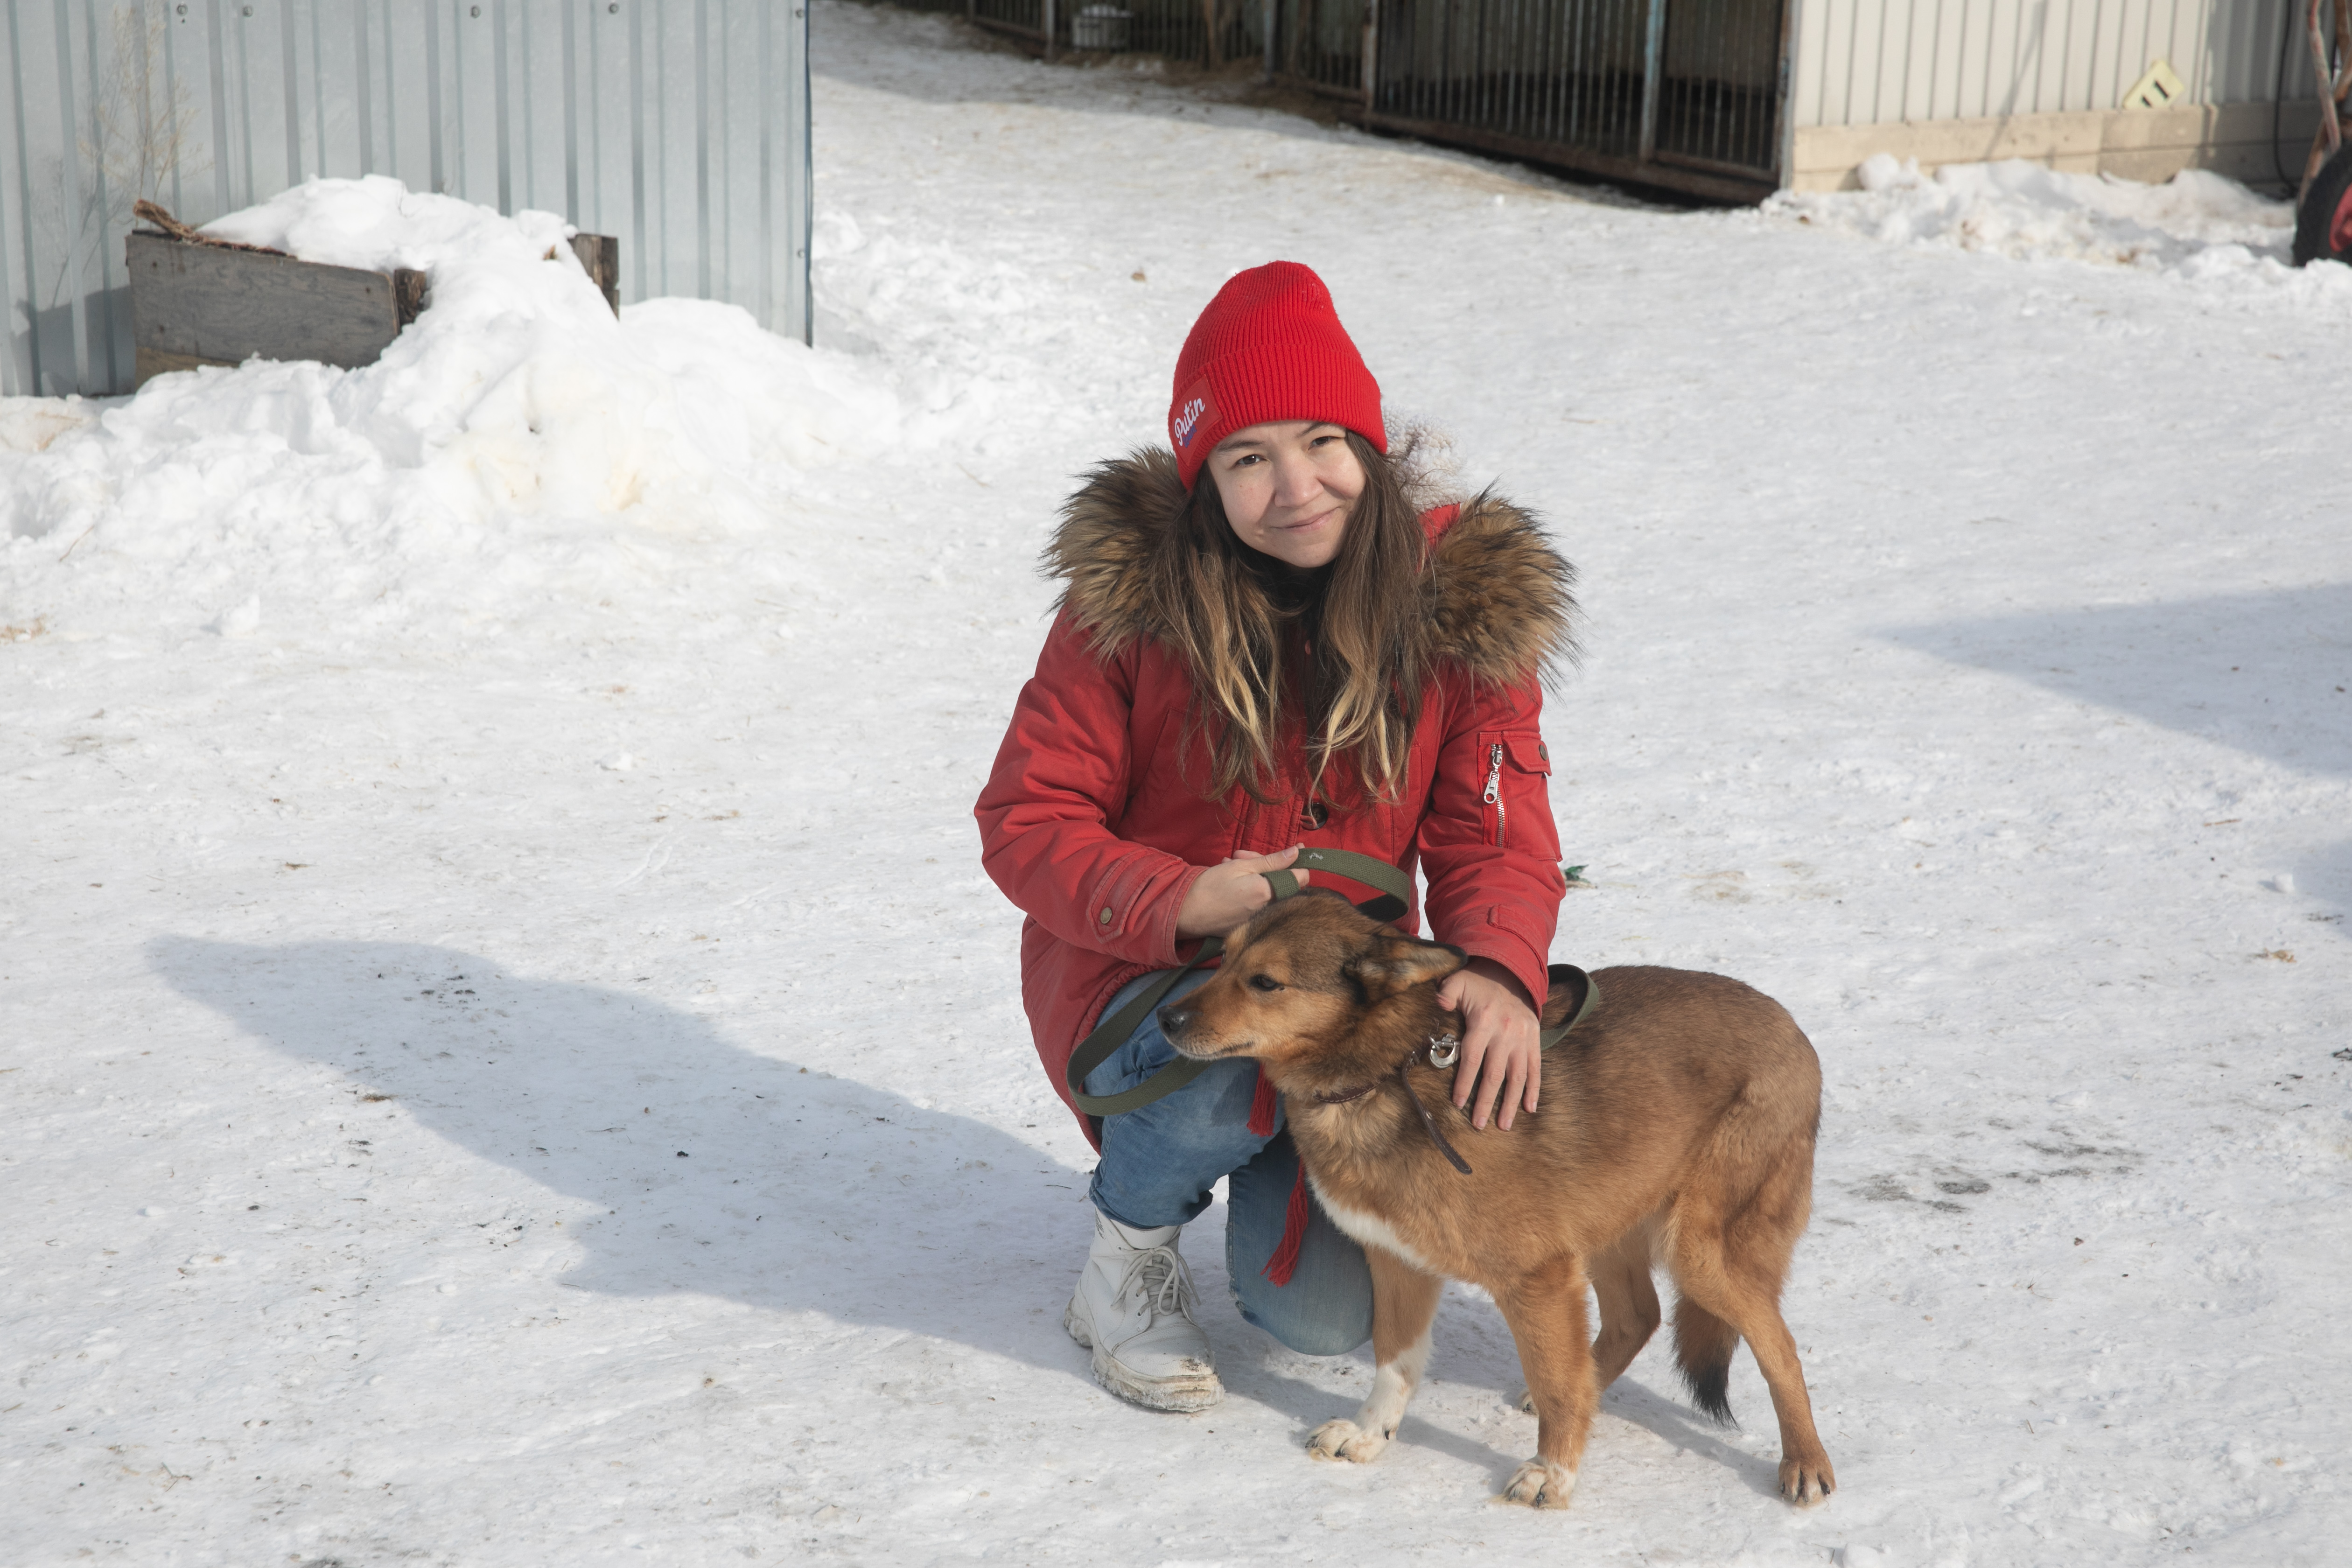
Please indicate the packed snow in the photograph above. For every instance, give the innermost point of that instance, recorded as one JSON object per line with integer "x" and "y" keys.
{"x": 2198, "y": 225}
{"x": 511, "y": 1057}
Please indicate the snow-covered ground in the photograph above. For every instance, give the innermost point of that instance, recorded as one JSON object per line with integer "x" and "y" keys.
{"x": 509, "y": 1056}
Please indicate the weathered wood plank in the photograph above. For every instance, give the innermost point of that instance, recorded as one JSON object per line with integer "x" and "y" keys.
{"x": 220, "y": 306}
{"x": 196, "y": 304}
{"x": 601, "y": 255}
{"x": 152, "y": 362}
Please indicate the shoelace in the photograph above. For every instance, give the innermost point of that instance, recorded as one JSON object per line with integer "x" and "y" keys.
{"x": 1159, "y": 1276}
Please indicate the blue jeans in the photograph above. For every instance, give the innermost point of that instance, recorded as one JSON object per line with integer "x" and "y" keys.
{"x": 1159, "y": 1163}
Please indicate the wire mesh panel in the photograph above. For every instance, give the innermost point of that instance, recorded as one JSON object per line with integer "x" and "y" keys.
{"x": 1181, "y": 29}
{"x": 1010, "y": 16}
{"x": 1175, "y": 29}
{"x": 1321, "y": 43}
{"x": 679, "y": 125}
{"x": 1553, "y": 71}
{"x": 1686, "y": 93}
{"x": 1719, "y": 84}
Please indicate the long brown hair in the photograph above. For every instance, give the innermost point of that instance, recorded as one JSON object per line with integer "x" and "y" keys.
{"x": 1336, "y": 657}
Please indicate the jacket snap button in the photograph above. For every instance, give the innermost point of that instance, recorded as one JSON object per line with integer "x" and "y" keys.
{"x": 1104, "y": 917}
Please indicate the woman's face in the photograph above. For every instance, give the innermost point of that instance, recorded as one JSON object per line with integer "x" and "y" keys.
{"x": 1288, "y": 488}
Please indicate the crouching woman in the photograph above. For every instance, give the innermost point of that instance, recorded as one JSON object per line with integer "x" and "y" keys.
{"x": 1263, "y": 642}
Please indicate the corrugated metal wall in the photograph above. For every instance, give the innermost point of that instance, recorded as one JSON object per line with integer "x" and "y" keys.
{"x": 679, "y": 125}
{"x": 1864, "y": 62}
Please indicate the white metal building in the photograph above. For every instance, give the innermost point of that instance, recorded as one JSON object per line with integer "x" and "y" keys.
{"x": 1949, "y": 81}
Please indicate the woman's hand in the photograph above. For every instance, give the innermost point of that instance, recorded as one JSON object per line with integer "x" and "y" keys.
{"x": 1500, "y": 1033}
{"x": 1230, "y": 892}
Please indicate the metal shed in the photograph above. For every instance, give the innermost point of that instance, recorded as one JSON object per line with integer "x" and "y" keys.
{"x": 680, "y": 126}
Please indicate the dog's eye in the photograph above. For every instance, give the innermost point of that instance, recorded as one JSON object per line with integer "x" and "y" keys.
{"x": 1265, "y": 983}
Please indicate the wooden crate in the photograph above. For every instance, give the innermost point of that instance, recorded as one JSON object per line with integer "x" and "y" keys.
{"x": 196, "y": 304}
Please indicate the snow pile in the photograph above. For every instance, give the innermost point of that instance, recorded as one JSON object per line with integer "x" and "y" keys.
{"x": 30, "y": 423}
{"x": 2196, "y": 224}
{"x": 507, "y": 444}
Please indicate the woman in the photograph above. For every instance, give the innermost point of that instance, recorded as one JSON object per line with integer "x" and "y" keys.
{"x": 1264, "y": 643}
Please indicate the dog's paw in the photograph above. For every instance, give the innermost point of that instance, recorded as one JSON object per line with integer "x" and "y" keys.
{"x": 1346, "y": 1440}
{"x": 1528, "y": 1400}
{"x": 1808, "y": 1482}
{"x": 1540, "y": 1484}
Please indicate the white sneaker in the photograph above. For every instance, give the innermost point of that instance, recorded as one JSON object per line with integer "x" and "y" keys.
{"x": 1133, "y": 1308}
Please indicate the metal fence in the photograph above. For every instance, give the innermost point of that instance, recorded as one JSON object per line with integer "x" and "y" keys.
{"x": 1687, "y": 94}
{"x": 681, "y": 126}
{"x": 1176, "y": 29}
{"x": 1680, "y": 94}
{"x": 1319, "y": 44}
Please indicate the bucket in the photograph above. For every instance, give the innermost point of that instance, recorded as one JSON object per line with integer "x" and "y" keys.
{"x": 1100, "y": 27}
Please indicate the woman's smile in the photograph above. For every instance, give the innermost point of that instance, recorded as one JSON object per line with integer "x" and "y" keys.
{"x": 1288, "y": 488}
{"x": 1334, "y": 513}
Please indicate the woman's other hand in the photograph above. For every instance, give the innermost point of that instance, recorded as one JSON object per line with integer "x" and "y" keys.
{"x": 1229, "y": 892}
{"x": 1502, "y": 1053}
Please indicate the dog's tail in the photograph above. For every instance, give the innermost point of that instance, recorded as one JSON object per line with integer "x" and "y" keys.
{"x": 1703, "y": 1347}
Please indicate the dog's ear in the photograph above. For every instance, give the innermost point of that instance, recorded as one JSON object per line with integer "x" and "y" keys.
{"x": 1396, "y": 962}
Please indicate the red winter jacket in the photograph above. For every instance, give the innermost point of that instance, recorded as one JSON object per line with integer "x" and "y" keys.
{"x": 1087, "y": 824}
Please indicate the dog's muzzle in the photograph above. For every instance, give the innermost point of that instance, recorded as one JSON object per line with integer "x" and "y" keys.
{"x": 1176, "y": 1021}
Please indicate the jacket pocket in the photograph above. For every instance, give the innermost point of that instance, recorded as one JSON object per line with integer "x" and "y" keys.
{"x": 1514, "y": 762}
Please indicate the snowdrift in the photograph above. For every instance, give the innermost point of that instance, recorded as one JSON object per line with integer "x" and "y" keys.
{"x": 508, "y": 445}
{"x": 2197, "y": 225}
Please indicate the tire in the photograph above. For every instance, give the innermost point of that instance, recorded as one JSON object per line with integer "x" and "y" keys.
{"x": 2323, "y": 225}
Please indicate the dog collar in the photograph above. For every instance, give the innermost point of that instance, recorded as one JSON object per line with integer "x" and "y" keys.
{"x": 1439, "y": 1051}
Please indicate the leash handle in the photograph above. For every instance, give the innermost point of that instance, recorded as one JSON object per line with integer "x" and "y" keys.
{"x": 1561, "y": 974}
{"x": 1395, "y": 888}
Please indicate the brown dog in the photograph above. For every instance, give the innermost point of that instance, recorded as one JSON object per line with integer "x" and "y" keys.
{"x": 1676, "y": 1131}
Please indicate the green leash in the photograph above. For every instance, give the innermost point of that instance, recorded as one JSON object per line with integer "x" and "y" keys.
{"x": 1395, "y": 897}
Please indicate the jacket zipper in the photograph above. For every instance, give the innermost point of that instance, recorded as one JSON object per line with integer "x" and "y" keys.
{"x": 1494, "y": 788}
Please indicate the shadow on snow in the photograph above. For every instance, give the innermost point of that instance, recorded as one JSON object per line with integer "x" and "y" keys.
{"x": 715, "y": 1169}
{"x": 796, "y": 1191}
{"x": 2264, "y": 673}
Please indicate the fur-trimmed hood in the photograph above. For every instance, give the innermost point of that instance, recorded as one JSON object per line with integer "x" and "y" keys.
{"x": 1500, "y": 597}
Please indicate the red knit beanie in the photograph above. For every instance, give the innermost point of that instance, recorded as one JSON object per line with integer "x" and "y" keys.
{"x": 1268, "y": 347}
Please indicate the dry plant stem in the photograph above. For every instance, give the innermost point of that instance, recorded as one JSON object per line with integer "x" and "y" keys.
{"x": 85, "y": 533}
